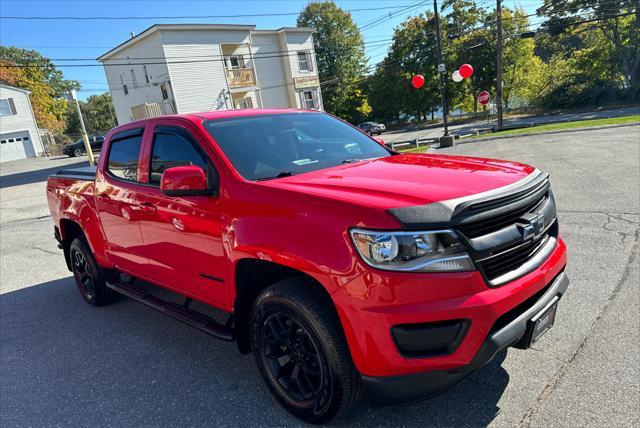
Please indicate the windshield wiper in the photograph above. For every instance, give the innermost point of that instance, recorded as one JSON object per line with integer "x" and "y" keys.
{"x": 351, "y": 160}
{"x": 280, "y": 175}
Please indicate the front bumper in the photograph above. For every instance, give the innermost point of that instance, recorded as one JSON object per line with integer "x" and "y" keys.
{"x": 393, "y": 390}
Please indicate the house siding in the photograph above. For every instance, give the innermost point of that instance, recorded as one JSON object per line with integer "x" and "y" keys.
{"x": 149, "y": 52}
{"x": 23, "y": 121}
{"x": 270, "y": 70}
{"x": 201, "y": 85}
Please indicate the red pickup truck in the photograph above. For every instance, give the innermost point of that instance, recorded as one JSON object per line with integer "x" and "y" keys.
{"x": 346, "y": 268}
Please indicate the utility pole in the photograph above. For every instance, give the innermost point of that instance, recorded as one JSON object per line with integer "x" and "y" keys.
{"x": 499, "y": 64}
{"x": 85, "y": 137}
{"x": 441, "y": 70}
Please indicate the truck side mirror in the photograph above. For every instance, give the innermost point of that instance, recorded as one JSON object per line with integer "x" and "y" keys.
{"x": 184, "y": 181}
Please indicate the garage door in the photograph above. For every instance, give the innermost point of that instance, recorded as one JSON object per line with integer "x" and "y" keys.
{"x": 16, "y": 145}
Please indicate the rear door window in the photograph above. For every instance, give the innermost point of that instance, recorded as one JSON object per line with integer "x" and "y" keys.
{"x": 123, "y": 156}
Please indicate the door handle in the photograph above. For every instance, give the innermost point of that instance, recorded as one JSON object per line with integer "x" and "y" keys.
{"x": 145, "y": 207}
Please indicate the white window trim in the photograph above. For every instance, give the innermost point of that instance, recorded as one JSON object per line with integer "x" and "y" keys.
{"x": 12, "y": 107}
{"x": 123, "y": 82}
{"x": 314, "y": 99}
{"x": 309, "y": 61}
{"x": 239, "y": 59}
{"x": 248, "y": 103}
{"x": 147, "y": 77}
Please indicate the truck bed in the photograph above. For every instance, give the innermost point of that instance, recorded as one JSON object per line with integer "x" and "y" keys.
{"x": 87, "y": 173}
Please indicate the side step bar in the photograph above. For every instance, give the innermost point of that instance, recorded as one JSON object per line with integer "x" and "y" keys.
{"x": 182, "y": 313}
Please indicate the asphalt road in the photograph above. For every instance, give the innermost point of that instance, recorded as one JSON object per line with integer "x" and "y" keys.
{"x": 64, "y": 363}
{"x": 408, "y": 134}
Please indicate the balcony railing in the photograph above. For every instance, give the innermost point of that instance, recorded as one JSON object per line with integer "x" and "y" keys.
{"x": 241, "y": 77}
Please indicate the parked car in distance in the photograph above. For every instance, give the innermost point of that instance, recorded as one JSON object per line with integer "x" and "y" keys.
{"x": 372, "y": 128}
{"x": 77, "y": 148}
{"x": 347, "y": 269}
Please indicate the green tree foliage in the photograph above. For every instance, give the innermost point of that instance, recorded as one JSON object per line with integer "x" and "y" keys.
{"x": 604, "y": 51}
{"x": 340, "y": 55}
{"x": 97, "y": 113}
{"x": 586, "y": 53}
{"x": 412, "y": 52}
{"x": 29, "y": 70}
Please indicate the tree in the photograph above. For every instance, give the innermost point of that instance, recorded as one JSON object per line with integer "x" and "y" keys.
{"x": 470, "y": 40}
{"x": 618, "y": 22}
{"x": 29, "y": 70}
{"x": 412, "y": 52}
{"x": 522, "y": 70}
{"x": 340, "y": 56}
{"x": 96, "y": 112}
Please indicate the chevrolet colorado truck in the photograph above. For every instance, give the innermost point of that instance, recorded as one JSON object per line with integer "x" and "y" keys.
{"x": 347, "y": 269}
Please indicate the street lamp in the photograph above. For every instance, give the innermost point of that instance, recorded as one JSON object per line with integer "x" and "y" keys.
{"x": 85, "y": 137}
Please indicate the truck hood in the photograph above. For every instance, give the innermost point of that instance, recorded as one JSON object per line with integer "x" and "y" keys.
{"x": 407, "y": 180}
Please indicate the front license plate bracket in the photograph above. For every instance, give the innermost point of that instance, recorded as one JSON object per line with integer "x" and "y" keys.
{"x": 541, "y": 322}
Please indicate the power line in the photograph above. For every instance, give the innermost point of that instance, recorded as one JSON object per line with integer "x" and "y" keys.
{"x": 377, "y": 21}
{"x": 209, "y": 56}
{"x": 246, "y": 15}
{"x": 271, "y": 56}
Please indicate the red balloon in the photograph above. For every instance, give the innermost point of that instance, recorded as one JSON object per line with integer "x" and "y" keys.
{"x": 466, "y": 70}
{"x": 417, "y": 81}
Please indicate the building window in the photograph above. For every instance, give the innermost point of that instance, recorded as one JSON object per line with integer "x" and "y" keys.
{"x": 309, "y": 99}
{"x": 147, "y": 78}
{"x": 133, "y": 78}
{"x": 7, "y": 107}
{"x": 234, "y": 62}
{"x": 165, "y": 91}
{"x": 123, "y": 82}
{"x": 244, "y": 103}
{"x": 304, "y": 61}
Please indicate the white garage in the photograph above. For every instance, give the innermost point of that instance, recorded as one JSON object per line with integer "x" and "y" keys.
{"x": 19, "y": 137}
{"x": 16, "y": 145}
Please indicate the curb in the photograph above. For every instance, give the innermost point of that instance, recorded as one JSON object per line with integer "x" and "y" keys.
{"x": 561, "y": 131}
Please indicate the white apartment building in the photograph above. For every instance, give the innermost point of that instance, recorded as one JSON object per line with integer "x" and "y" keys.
{"x": 184, "y": 68}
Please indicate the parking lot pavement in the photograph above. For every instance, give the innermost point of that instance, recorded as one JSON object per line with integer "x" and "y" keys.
{"x": 65, "y": 363}
{"x": 409, "y": 134}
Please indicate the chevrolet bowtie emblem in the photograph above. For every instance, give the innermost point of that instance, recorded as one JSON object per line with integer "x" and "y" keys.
{"x": 531, "y": 225}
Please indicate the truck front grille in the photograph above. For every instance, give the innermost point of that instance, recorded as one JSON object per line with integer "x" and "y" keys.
{"x": 483, "y": 227}
{"x": 512, "y": 258}
{"x": 510, "y": 236}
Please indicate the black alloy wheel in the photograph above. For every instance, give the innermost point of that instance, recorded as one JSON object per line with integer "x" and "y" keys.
{"x": 301, "y": 351}
{"x": 292, "y": 356}
{"x": 89, "y": 277}
{"x": 84, "y": 279}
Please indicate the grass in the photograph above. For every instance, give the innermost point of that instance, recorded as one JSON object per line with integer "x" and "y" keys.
{"x": 566, "y": 125}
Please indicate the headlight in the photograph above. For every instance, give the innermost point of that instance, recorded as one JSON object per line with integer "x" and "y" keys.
{"x": 432, "y": 251}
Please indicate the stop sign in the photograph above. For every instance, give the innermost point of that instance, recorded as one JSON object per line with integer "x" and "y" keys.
{"x": 484, "y": 97}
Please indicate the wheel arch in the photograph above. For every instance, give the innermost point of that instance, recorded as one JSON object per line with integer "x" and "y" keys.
{"x": 252, "y": 276}
{"x": 68, "y": 231}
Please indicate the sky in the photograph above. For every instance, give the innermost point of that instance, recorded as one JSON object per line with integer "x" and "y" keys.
{"x": 88, "y": 39}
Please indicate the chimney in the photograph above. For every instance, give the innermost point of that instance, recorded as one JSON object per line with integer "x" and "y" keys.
{"x": 133, "y": 34}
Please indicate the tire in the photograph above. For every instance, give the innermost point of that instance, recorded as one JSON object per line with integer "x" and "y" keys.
{"x": 370, "y": 133}
{"x": 289, "y": 319}
{"x": 90, "y": 278}
{"x": 77, "y": 152}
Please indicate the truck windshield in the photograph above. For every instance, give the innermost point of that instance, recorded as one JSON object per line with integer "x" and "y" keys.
{"x": 270, "y": 146}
